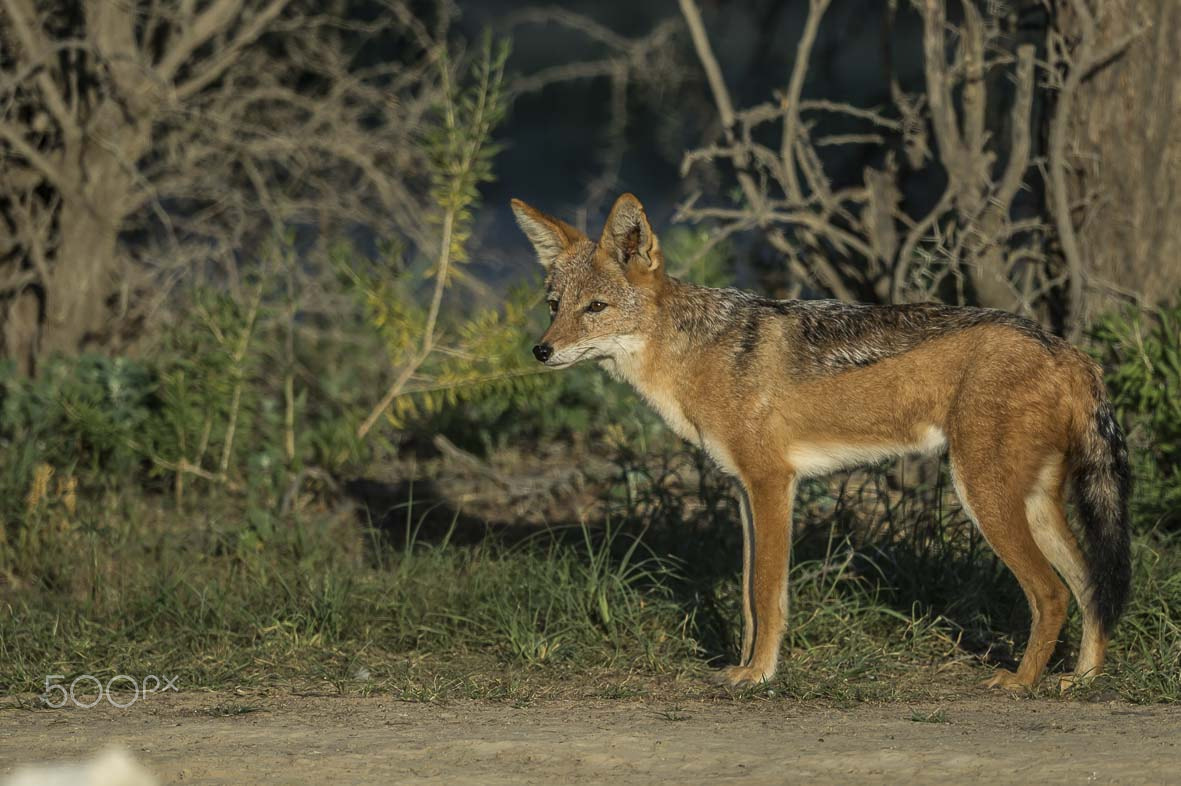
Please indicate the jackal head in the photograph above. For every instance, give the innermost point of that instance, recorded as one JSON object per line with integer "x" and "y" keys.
{"x": 601, "y": 296}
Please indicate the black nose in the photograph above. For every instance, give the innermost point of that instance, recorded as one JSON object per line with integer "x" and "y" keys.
{"x": 542, "y": 352}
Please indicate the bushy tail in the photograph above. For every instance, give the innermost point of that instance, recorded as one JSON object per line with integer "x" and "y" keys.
{"x": 1102, "y": 484}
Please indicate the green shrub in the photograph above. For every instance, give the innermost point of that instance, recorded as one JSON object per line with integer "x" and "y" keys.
{"x": 79, "y": 416}
{"x": 207, "y": 407}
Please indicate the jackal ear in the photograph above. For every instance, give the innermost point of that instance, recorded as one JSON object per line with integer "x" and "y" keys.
{"x": 629, "y": 237}
{"x": 550, "y": 236}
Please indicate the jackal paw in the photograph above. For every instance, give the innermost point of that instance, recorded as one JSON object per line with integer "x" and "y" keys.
{"x": 1008, "y": 681}
{"x": 1071, "y": 680}
{"x": 741, "y": 676}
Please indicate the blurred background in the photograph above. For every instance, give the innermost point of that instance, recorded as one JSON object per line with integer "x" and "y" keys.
{"x": 265, "y": 393}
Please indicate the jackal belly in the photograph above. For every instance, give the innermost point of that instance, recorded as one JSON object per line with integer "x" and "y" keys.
{"x": 818, "y": 457}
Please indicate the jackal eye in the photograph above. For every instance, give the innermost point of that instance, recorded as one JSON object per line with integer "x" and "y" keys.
{"x": 596, "y": 306}
{"x": 553, "y": 307}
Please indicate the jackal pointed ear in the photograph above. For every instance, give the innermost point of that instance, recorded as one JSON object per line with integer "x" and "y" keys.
{"x": 629, "y": 237}
{"x": 550, "y": 236}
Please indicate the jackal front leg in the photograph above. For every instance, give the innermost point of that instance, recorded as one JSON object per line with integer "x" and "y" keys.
{"x": 766, "y": 538}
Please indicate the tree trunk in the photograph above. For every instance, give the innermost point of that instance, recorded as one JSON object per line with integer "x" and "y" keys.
{"x": 21, "y": 319}
{"x": 1124, "y": 152}
{"x": 81, "y": 280}
{"x": 86, "y": 262}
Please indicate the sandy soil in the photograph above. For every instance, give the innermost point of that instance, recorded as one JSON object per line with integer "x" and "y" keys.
{"x": 211, "y": 738}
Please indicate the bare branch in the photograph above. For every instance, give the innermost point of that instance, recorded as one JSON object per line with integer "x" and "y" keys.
{"x": 973, "y": 90}
{"x": 37, "y": 48}
{"x": 1021, "y": 135}
{"x": 195, "y": 32}
{"x": 713, "y": 73}
{"x": 939, "y": 91}
{"x": 1057, "y": 164}
{"x": 795, "y": 86}
{"x": 50, "y": 170}
{"x": 229, "y": 53}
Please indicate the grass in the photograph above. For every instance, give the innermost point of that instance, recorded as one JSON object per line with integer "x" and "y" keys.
{"x": 639, "y": 606}
{"x": 220, "y": 605}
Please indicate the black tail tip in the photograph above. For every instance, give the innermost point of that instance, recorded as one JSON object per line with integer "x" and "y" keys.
{"x": 1104, "y": 484}
{"x": 1112, "y": 592}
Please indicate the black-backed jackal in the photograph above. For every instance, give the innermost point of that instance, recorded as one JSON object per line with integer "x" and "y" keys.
{"x": 777, "y": 390}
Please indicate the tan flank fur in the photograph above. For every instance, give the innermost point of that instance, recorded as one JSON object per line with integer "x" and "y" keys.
{"x": 779, "y": 390}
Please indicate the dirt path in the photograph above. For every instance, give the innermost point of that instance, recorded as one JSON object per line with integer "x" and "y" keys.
{"x": 208, "y": 738}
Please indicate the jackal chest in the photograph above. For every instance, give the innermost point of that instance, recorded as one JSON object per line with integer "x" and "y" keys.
{"x": 628, "y": 367}
{"x": 688, "y": 428}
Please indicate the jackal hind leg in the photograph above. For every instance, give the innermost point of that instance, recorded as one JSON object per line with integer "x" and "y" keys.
{"x": 993, "y": 489}
{"x": 767, "y": 553}
{"x": 1046, "y": 508}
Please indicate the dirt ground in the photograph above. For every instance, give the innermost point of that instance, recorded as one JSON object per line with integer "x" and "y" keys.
{"x": 218, "y": 738}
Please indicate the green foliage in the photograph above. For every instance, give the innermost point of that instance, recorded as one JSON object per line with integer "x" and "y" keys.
{"x": 211, "y": 404}
{"x": 487, "y": 366}
{"x": 691, "y": 254}
{"x": 77, "y": 420}
{"x": 454, "y": 355}
{"x": 206, "y": 408}
{"x": 459, "y": 143}
{"x": 387, "y": 295}
{"x": 1142, "y": 357}
{"x": 78, "y": 416}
